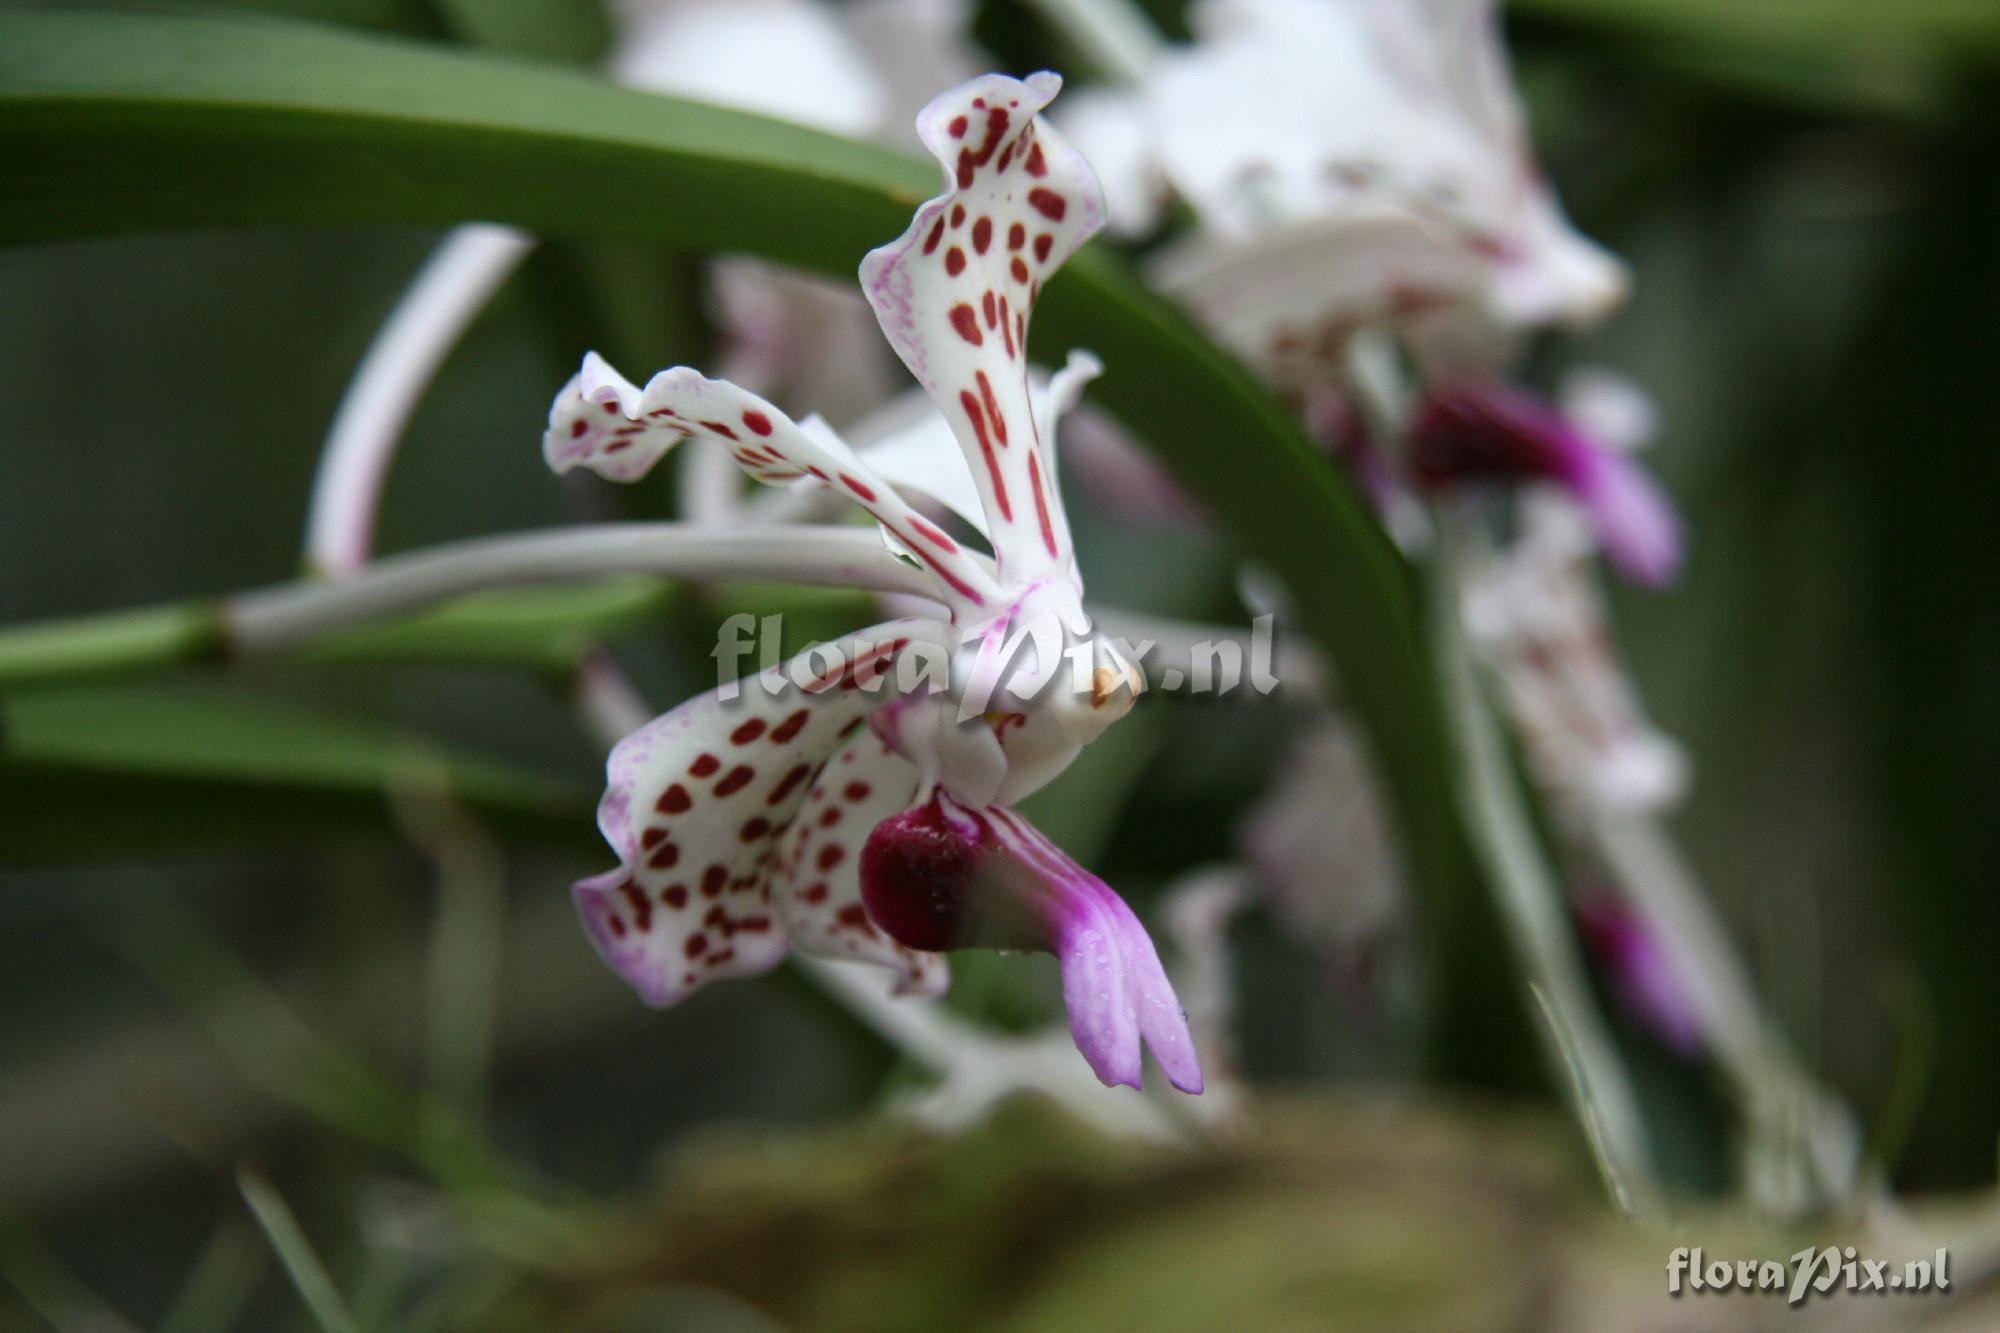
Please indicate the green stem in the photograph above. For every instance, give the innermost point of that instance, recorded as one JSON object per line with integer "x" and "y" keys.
{"x": 117, "y": 641}
{"x": 295, "y": 615}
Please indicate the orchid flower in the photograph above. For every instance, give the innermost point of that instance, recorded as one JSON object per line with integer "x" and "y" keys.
{"x": 1474, "y": 431}
{"x": 853, "y": 816}
{"x": 1359, "y": 171}
{"x": 1349, "y": 162}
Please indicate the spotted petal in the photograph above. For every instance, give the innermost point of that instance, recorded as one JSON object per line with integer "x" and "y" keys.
{"x": 816, "y": 881}
{"x": 955, "y": 293}
{"x": 914, "y": 449}
{"x": 602, "y": 421}
{"x": 698, "y": 799}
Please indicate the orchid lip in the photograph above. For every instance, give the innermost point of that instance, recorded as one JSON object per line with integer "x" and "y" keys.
{"x": 943, "y": 876}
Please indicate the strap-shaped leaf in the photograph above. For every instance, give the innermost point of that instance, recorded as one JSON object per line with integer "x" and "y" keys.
{"x": 116, "y": 122}
{"x": 91, "y": 774}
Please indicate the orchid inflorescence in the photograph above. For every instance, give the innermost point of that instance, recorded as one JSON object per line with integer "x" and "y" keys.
{"x": 1361, "y": 221}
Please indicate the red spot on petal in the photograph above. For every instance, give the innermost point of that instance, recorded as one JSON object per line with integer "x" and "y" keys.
{"x": 791, "y": 726}
{"x": 968, "y": 160}
{"x": 675, "y": 896}
{"x": 982, "y": 234}
{"x": 696, "y": 946}
{"x": 1008, "y": 327}
{"x": 724, "y": 431}
{"x": 987, "y": 307}
{"x": 754, "y": 828}
{"x": 1037, "y": 164}
{"x": 704, "y": 765}
{"x": 1041, "y": 503}
{"x": 758, "y": 422}
{"x": 666, "y": 857}
{"x": 674, "y": 800}
{"x": 748, "y": 732}
{"x": 578, "y": 427}
{"x": 856, "y": 791}
{"x": 860, "y": 488}
{"x": 653, "y": 837}
{"x": 1019, "y": 270}
{"x": 932, "y": 533}
{"x": 993, "y": 412}
{"x": 813, "y": 893}
{"x": 737, "y": 778}
{"x": 954, "y": 261}
{"x": 937, "y": 233}
{"x": 642, "y": 906}
{"x": 618, "y": 926}
{"x": 966, "y": 321}
{"x": 1048, "y": 203}
{"x": 712, "y": 880}
{"x": 1043, "y": 244}
{"x": 1017, "y": 236}
{"x": 831, "y": 855}
{"x": 957, "y": 127}
{"x": 978, "y": 419}
{"x": 958, "y": 215}
{"x": 788, "y": 784}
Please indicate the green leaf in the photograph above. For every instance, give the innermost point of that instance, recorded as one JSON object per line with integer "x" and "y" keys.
{"x": 538, "y": 628}
{"x": 542, "y": 628}
{"x": 1829, "y": 55}
{"x": 566, "y": 30}
{"x": 117, "y": 122}
{"x": 92, "y": 774}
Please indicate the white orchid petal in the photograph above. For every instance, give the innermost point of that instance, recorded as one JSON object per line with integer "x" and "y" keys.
{"x": 955, "y": 292}
{"x": 602, "y": 422}
{"x": 788, "y": 59}
{"x": 697, "y": 800}
{"x": 816, "y": 880}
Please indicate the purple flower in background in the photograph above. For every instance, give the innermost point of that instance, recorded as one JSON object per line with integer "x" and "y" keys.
{"x": 1481, "y": 430}
{"x": 1636, "y": 966}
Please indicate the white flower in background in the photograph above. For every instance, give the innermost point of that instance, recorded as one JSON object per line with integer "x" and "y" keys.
{"x": 1537, "y": 617}
{"x": 1349, "y": 163}
{"x": 862, "y": 70}
{"x": 1323, "y": 848}
{"x": 853, "y": 815}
